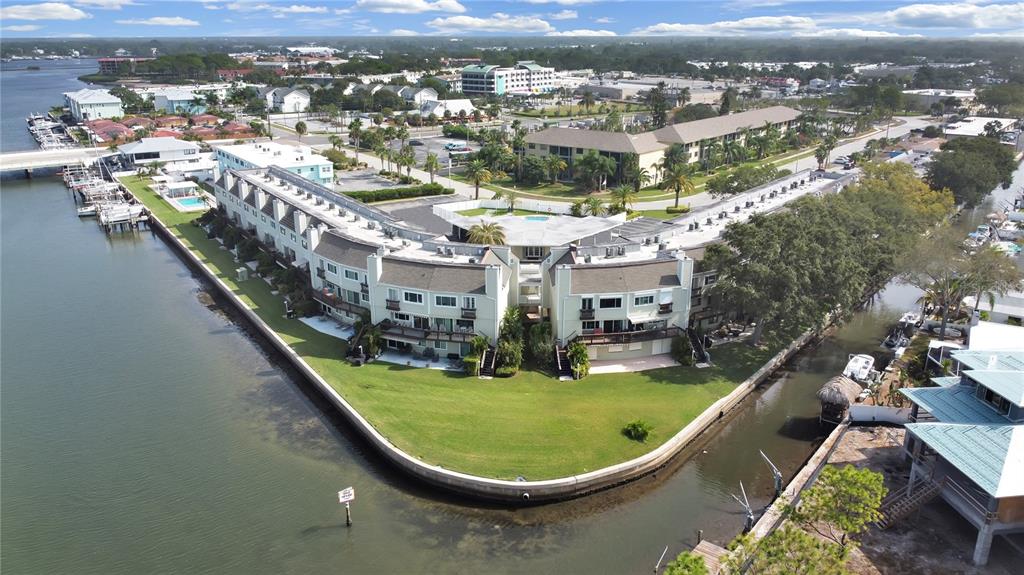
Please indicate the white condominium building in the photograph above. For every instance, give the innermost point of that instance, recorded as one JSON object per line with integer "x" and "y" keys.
{"x": 87, "y": 104}
{"x": 526, "y": 77}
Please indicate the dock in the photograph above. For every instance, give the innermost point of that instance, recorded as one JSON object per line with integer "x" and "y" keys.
{"x": 114, "y": 207}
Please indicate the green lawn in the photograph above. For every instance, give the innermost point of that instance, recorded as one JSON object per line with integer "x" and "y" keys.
{"x": 530, "y": 425}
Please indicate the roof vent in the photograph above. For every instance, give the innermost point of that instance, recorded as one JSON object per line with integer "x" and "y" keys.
{"x": 662, "y": 247}
{"x": 993, "y": 360}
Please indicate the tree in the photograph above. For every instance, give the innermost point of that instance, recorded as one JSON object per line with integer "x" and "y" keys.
{"x": 786, "y": 551}
{"x": 487, "y": 233}
{"x": 406, "y": 159}
{"x": 300, "y": 128}
{"x": 691, "y": 112}
{"x": 355, "y": 132}
{"x": 734, "y": 152}
{"x": 624, "y": 196}
{"x": 592, "y": 170}
{"x": 555, "y": 165}
{"x": 935, "y": 267}
{"x": 727, "y": 103}
{"x": 510, "y": 196}
{"x": 431, "y": 164}
{"x": 511, "y": 327}
{"x": 593, "y": 206}
{"x": 987, "y": 273}
{"x": 821, "y": 155}
{"x": 841, "y": 503}
{"x": 587, "y": 100}
{"x": 678, "y": 179}
{"x": 479, "y": 173}
{"x": 971, "y": 168}
{"x": 335, "y": 141}
{"x": 686, "y": 563}
{"x": 658, "y": 103}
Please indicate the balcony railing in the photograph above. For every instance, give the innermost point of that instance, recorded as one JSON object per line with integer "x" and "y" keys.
{"x": 664, "y": 308}
{"x": 321, "y": 273}
{"x": 337, "y": 303}
{"x": 364, "y": 288}
{"x": 392, "y": 304}
{"x": 586, "y": 314}
{"x": 468, "y": 313}
{"x": 397, "y": 330}
{"x": 629, "y": 336}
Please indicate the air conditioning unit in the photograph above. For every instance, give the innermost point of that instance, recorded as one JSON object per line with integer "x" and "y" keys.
{"x": 472, "y": 260}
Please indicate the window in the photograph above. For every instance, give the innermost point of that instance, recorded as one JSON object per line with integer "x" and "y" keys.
{"x": 445, "y": 300}
{"x": 996, "y": 401}
{"x": 587, "y": 303}
{"x": 351, "y": 275}
{"x": 332, "y": 268}
{"x": 643, "y": 300}
{"x": 464, "y": 324}
{"x": 710, "y": 280}
{"x": 534, "y": 252}
{"x": 611, "y": 302}
{"x": 400, "y": 316}
{"x": 697, "y": 301}
{"x": 392, "y": 294}
{"x": 443, "y": 345}
{"x": 589, "y": 326}
{"x": 469, "y": 302}
{"x": 293, "y": 237}
{"x": 366, "y": 296}
{"x": 413, "y": 297}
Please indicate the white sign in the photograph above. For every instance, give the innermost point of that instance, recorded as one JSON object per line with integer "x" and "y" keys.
{"x": 347, "y": 494}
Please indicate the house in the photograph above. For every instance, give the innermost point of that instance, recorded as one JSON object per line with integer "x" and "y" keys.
{"x": 928, "y": 96}
{"x": 526, "y": 77}
{"x": 109, "y": 131}
{"x": 966, "y": 440}
{"x": 299, "y": 160}
{"x": 286, "y": 100}
{"x": 205, "y": 120}
{"x": 88, "y": 104}
{"x": 177, "y": 100}
{"x": 453, "y": 107}
{"x": 138, "y": 122}
{"x": 1006, "y": 308}
{"x": 166, "y": 150}
{"x": 230, "y": 74}
{"x": 170, "y": 121}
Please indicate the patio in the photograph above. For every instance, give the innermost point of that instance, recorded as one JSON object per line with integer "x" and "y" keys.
{"x": 630, "y": 365}
{"x": 323, "y": 324}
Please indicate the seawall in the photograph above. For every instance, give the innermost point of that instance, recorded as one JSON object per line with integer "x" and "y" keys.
{"x": 519, "y": 492}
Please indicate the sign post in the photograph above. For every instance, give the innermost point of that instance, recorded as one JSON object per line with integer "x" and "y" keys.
{"x": 346, "y": 496}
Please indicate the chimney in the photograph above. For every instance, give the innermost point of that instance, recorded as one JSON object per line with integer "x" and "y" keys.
{"x": 280, "y": 208}
{"x": 492, "y": 281}
{"x": 301, "y": 220}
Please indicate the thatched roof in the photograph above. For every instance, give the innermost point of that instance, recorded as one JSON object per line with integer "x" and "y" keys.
{"x": 840, "y": 390}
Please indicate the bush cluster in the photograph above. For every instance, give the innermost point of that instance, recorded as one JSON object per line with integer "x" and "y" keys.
{"x": 680, "y": 210}
{"x": 370, "y": 196}
{"x": 637, "y": 430}
{"x": 682, "y": 350}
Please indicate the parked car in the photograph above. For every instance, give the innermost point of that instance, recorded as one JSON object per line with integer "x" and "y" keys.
{"x": 415, "y": 143}
{"x": 452, "y": 145}
{"x": 840, "y": 160}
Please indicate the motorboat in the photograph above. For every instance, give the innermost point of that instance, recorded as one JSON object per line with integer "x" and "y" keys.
{"x": 911, "y": 318}
{"x": 87, "y": 211}
{"x": 860, "y": 368}
{"x": 1009, "y": 248}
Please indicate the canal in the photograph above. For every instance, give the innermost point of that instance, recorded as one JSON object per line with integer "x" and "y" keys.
{"x": 144, "y": 431}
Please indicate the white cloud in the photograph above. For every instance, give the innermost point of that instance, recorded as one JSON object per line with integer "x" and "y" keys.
{"x": 211, "y": 6}
{"x": 498, "y": 22}
{"x": 301, "y": 9}
{"x": 21, "y": 28}
{"x": 44, "y": 11}
{"x": 604, "y": 20}
{"x": 758, "y": 25}
{"x": 582, "y": 32}
{"x": 79, "y": 35}
{"x": 1009, "y": 34}
{"x": 160, "y": 21}
{"x": 410, "y": 6}
{"x": 564, "y": 15}
{"x": 403, "y": 32}
{"x": 105, "y": 4}
{"x": 562, "y": 2}
{"x": 956, "y": 15}
{"x": 852, "y": 33}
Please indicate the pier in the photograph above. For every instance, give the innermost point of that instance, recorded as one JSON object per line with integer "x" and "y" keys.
{"x": 36, "y": 159}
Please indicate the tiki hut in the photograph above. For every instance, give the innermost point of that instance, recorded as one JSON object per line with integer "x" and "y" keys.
{"x": 836, "y": 396}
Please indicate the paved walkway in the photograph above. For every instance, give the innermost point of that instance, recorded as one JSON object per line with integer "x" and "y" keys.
{"x": 631, "y": 365}
{"x": 406, "y": 359}
{"x": 329, "y": 326}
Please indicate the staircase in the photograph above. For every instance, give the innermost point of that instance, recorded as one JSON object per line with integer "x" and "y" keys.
{"x": 562, "y": 364}
{"x": 700, "y": 354}
{"x": 487, "y": 363}
{"x": 898, "y": 505}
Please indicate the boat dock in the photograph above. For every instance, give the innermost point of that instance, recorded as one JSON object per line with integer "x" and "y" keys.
{"x": 50, "y": 133}
{"x": 114, "y": 208}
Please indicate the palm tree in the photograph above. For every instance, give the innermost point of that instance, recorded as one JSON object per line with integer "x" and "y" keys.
{"x": 734, "y": 152}
{"x": 678, "y": 178}
{"x": 641, "y": 178}
{"x": 593, "y": 169}
{"x": 407, "y": 159}
{"x": 712, "y": 158}
{"x": 381, "y": 150}
{"x": 335, "y": 141}
{"x": 625, "y": 197}
{"x": 431, "y": 164}
{"x": 355, "y": 131}
{"x": 487, "y": 233}
{"x": 402, "y": 134}
{"x": 479, "y": 173}
{"x": 519, "y": 148}
{"x": 587, "y": 100}
{"x": 593, "y": 206}
{"x": 555, "y": 165}
{"x": 510, "y": 197}
{"x": 761, "y": 145}
{"x": 675, "y": 154}
{"x": 772, "y": 135}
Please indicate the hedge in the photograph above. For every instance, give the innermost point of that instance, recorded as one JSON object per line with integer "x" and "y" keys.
{"x": 370, "y": 196}
{"x": 471, "y": 364}
{"x": 680, "y": 210}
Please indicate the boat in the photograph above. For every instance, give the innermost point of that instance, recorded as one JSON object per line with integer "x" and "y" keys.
{"x": 911, "y": 318}
{"x": 86, "y": 211}
{"x": 860, "y": 368}
{"x": 1009, "y": 248}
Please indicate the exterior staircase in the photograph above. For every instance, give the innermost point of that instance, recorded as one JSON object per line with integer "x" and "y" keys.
{"x": 487, "y": 363}
{"x": 701, "y": 355}
{"x": 899, "y": 504}
{"x": 562, "y": 364}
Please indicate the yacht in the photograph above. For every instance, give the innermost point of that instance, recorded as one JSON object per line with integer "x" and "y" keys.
{"x": 860, "y": 368}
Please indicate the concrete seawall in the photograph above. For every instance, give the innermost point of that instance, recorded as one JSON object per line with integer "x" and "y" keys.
{"x": 521, "y": 492}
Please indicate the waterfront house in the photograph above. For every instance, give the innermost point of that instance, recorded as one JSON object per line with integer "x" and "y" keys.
{"x": 300, "y": 160}
{"x": 166, "y": 150}
{"x": 89, "y": 104}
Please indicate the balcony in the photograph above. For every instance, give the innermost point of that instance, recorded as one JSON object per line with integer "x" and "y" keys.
{"x": 393, "y": 305}
{"x": 364, "y": 288}
{"x": 321, "y": 273}
{"x": 664, "y": 308}
{"x": 629, "y": 336}
{"x": 468, "y": 313}
{"x": 326, "y": 297}
{"x": 414, "y": 333}
{"x": 586, "y": 314}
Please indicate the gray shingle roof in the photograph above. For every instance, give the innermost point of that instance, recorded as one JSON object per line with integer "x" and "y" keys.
{"x": 597, "y": 140}
{"x": 698, "y": 130}
{"x": 343, "y": 250}
{"x": 625, "y": 277}
{"x": 435, "y": 277}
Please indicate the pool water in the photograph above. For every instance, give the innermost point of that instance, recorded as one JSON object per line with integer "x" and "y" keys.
{"x": 192, "y": 202}
{"x": 537, "y": 218}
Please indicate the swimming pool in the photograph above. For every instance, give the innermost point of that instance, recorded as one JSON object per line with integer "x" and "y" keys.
{"x": 191, "y": 202}
{"x": 188, "y": 204}
{"x": 537, "y": 218}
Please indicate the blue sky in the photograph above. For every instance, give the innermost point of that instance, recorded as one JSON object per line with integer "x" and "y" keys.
{"x": 267, "y": 18}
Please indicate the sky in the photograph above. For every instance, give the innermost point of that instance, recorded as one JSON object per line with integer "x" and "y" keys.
{"x": 460, "y": 18}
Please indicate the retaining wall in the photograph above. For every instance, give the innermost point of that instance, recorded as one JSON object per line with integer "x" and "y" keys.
{"x": 482, "y": 487}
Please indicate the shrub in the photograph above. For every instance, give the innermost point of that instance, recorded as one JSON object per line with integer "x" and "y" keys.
{"x": 682, "y": 350}
{"x": 471, "y": 363}
{"x": 637, "y": 430}
{"x": 506, "y": 371}
{"x": 541, "y": 343}
{"x": 680, "y": 210}
{"x": 511, "y": 325}
{"x": 578, "y": 359}
{"x": 266, "y": 264}
{"x": 248, "y": 249}
{"x": 370, "y": 196}
{"x": 306, "y": 308}
{"x": 932, "y": 132}
{"x": 576, "y": 209}
{"x": 509, "y": 353}
{"x": 231, "y": 235}
{"x": 479, "y": 345}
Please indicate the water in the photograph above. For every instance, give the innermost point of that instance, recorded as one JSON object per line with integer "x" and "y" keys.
{"x": 143, "y": 431}
{"x": 25, "y": 92}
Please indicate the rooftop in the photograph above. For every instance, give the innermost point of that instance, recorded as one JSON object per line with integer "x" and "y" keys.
{"x": 990, "y": 360}
{"x": 632, "y": 277}
{"x": 698, "y": 130}
{"x": 92, "y": 96}
{"x": 163, "y": 144}
{"x": 955, "y": 404}
{"x": 975, "y": 125}
{"x": 992, "y": 456}
{"x": 274, "y": 153}
{"x": 540, "y": 230}
{"x": 598, "y": 140}
{"x": 1009, "y": 384}
{"x": 992, "y": 336}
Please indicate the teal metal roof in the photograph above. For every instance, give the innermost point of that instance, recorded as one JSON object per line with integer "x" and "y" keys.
{"x": 955, "y": 404}
{"x": 990, "y": 360}
{"x": 480, "y": 68}
{"x": 1009, "y": 384}
{"x": 949, "y": 381}
{"x": 981, "y": 452}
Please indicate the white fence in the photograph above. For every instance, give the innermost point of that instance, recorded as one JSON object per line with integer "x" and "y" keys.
{"x": 449, "y": 210}
{"x": 879, "y": 413}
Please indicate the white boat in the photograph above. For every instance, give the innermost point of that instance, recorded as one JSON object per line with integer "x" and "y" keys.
{"x": 1009, "y": 248}
{"x": 860, "y": 367}
{"x": 911, "y": 318}
{"x": 86, "y": 211}
{"x": 1010, "y": 230}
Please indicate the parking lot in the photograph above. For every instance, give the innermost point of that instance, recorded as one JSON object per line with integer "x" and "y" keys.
{"x": 435, "y": 145}
{"x": 361, "y": 180}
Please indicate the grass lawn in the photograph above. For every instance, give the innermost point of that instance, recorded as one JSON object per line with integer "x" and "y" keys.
{"x": 530, "y": 425}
